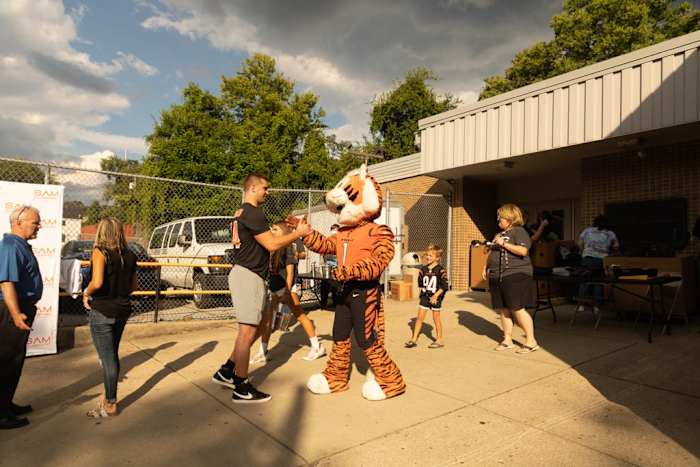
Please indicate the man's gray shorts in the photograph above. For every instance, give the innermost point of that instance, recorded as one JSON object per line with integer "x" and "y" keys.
{"x": 249, "y": 295}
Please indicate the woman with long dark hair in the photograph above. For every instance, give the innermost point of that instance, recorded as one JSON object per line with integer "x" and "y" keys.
{"x": 107, "y": 300}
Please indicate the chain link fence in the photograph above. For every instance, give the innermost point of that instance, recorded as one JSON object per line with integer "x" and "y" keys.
{"x": 180, "y": 232}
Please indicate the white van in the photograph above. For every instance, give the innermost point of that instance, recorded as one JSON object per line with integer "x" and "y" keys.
{"x": 194, "y": 240}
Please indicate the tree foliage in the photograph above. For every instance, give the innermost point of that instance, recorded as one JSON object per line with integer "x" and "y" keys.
{"x": 395, "y": 114}
{"x": 259, "y": 124}
{"x": 11, "y": 171}
{"x": 589, "y": 31}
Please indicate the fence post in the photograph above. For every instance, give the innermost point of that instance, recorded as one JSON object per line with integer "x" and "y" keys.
{"x": 386, "y": 218}
{"x": 157, "y": 300}
{"x": 308, "y": 210}
{"x": 47, "y": 175}
{"x": 449, "y": 238}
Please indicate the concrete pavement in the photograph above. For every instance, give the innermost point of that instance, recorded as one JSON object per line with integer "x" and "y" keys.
{"x": 588, "y": 397}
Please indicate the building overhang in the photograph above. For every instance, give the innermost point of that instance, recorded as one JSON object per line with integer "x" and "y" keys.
{"x": 555, "y": 161}
{"x": 648, "y": 95}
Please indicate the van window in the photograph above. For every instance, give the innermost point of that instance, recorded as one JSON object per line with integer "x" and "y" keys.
{"x": 157, "y": 238}
{"x": 216, "y": 230}
{"x": 173, "y": 235}
{"x": 187, "y": 231}
{"x": 167, "y": 236}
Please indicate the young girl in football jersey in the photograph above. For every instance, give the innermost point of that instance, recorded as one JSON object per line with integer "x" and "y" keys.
{"x": 433, "y": 284}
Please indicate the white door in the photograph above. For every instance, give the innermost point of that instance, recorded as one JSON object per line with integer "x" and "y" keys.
{"x": 395, "y": 223}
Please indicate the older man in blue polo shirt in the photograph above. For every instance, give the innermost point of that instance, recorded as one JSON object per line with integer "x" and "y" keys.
{"x": 20, "y": 288}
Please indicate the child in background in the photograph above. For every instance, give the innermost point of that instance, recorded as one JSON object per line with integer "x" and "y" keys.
{"x": 282, "y": 278}
{"x": 433, "y": 284}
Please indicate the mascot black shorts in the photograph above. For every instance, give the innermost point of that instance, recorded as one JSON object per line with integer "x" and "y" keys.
{"x": 357, "y": 311}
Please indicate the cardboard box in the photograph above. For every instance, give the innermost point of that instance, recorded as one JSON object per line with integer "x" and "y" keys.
{"x": 400, "y": 290}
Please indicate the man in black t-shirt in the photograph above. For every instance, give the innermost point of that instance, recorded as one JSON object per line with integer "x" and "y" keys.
{"x": 252, "y": 244}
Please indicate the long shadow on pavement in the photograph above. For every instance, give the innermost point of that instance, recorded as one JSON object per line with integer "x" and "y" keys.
{"x": 645, "y": 372}
{"x": 168, "y": 368}
{"x": 72, "y": 393}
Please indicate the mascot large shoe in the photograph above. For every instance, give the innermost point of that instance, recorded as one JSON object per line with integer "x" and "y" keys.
{"x": 364, "y": 249}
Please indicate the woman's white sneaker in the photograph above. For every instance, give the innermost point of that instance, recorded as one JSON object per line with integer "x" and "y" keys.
{"x": 260, "y": 357}
{"x": 315, "y": 353}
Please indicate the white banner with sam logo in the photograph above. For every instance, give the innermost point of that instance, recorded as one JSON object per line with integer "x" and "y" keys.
{"x": 48, "y": 199}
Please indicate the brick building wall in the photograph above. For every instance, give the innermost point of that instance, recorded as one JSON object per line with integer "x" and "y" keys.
{"x": 664, "y": 172}
{"x": 473, "y": 217}
{"x": 425, "y": 217}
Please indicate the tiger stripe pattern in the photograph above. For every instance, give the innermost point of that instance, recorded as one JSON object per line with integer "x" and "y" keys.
{"x": 371, "y": 268}
{"x": 319, "y": 243}
{"x": 363, "y": 250}
{"x": 337, "y": 371}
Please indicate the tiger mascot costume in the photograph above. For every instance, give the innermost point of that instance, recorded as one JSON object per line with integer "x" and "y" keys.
{"x": 364, "y": 250}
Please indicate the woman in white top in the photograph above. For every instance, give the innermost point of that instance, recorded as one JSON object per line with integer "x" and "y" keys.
{"x": 596, "y": 243}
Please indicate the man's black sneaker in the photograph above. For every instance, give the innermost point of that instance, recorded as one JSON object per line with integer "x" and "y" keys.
{"x": 224, "y": 377}
{"x": 245, "y": 393}
{"x": 20, "y": 409}
{"x": 10, "y": 421}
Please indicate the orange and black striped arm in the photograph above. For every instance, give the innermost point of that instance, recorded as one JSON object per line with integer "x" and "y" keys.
{"x": 319, "y": 243}
{"x": 382, "y": 240}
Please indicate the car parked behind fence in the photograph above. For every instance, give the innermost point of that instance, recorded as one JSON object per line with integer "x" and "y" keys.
{"x": 185, "y": 247}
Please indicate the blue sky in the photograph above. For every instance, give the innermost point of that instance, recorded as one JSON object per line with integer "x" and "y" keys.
{"x": 116, "y": 26}
{"x": 84, "y": 79}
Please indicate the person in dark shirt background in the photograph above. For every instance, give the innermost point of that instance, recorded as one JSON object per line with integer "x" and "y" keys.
{"x": 509, "y": 271}
{"x": 106, "y": 298}
{"x": 252, "y": 244}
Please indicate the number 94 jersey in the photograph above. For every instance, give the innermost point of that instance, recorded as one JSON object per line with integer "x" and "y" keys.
{"x": 432, "y": 280}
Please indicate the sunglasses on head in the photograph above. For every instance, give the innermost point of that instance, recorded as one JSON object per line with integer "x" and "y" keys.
{"x": 21, "y": 211}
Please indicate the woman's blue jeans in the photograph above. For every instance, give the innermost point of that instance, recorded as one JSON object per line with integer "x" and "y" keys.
{"x": 106, "y": 335}
{"x": 595, "y": 265}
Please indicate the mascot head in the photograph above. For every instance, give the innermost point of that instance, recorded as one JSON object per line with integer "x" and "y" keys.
{"x": 357, "y": 197}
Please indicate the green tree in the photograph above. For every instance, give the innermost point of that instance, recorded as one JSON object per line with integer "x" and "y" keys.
{"x": 95, "y": 212}
{"x": 73, "y": 209}
{"x": 12, "y": 171}
{"x": 589, "y": 31}
{"x": 259, "y": 124}
{"x": 121, "y": 199}
{"x": 395, "y": 114}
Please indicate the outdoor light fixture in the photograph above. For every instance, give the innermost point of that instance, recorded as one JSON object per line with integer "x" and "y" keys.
{"x": 625, "y": 143}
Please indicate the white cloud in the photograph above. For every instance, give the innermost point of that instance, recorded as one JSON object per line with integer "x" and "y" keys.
{"x": 467, "y": 97}
{"x": 91, "y": 161}
{"x": 55, "y": 93}
{"x": 136, "y": 63}
{"x": 118, "y": 142}
{"x": 350, "y": 51}
{"x": 78, "y": 12}
{"x": 318, "y": 72}
{"x": 84, "y": 186}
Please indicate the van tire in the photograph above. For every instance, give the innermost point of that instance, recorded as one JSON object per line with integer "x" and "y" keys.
{"x": 203, "y": 282}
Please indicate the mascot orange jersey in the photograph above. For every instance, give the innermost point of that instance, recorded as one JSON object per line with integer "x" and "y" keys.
{"x": 364, "y": 249}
